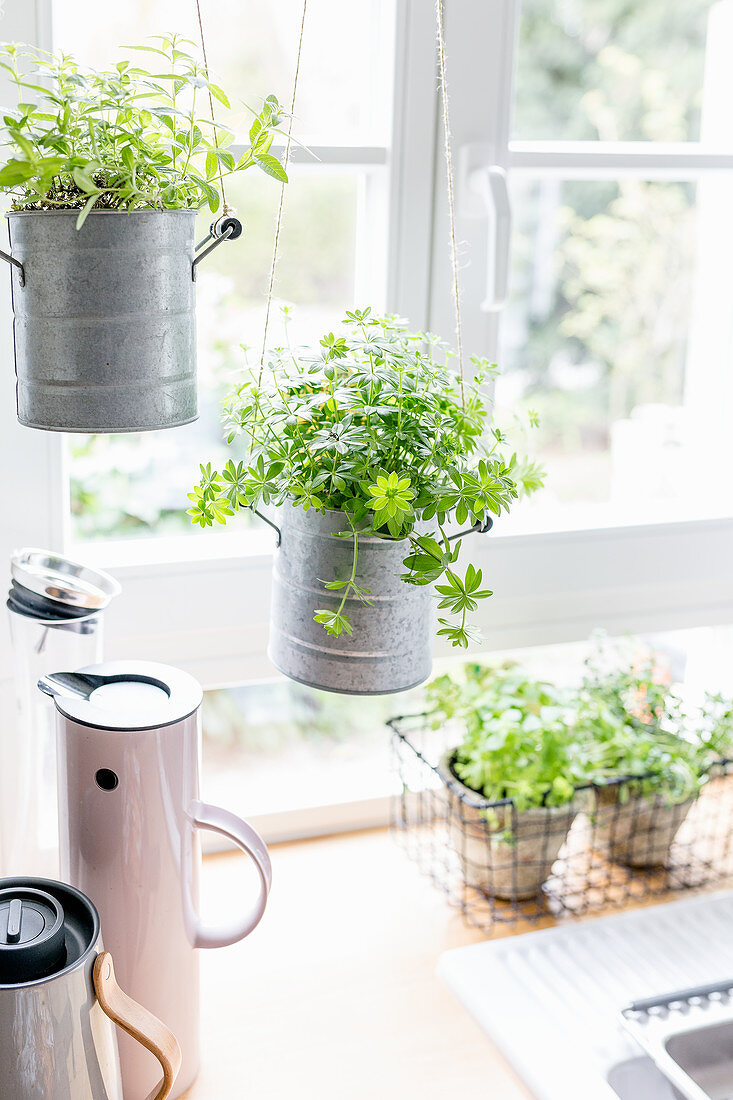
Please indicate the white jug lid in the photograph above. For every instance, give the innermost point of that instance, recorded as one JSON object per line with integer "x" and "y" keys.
{"x": 124, "y": 695}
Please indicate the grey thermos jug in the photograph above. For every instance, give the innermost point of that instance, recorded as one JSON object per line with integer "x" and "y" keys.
{"x": 59, "y": 1001}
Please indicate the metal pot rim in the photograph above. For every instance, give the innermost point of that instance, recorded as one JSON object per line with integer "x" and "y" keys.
{"x": 95, "y": 213}
{"x": 335, "y": 516}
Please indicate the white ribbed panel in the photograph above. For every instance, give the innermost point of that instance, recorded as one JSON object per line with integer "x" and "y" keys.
{"x": 550, "y": 1000}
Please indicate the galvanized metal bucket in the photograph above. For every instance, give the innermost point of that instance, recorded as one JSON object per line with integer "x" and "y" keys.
{"x": 390, "y": 648}
{"x": 105, "y": 323}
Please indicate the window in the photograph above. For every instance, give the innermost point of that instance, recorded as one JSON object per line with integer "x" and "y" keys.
{"x": 605, "y": 126}
{"x": 602, "y": 127}
{"x": 620, "y": 161}
{"x": 333, "y": 242}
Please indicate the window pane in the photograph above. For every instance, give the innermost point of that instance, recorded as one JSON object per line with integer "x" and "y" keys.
{"x": 279, "y": 746}
{"x": 276, "y": 745}
{"x": 252, "y": 48}
{"x": 616, "y": 71}
{"x": 617, "y": 332}
{"x": 133, "y": 485}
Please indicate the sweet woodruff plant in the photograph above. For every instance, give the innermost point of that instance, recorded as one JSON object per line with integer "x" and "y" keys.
{"x": 373, "y": 424}
{"x": 128, "y": 139}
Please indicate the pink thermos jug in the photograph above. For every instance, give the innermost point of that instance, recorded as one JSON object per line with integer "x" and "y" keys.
{"x": 129, "y": 818}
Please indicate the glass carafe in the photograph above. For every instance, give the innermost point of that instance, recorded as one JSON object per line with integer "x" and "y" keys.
{"x": 50, "y": 628}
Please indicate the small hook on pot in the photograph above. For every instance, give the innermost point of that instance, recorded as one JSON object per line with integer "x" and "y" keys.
{"x": 481, "y": 527}
{"x": 226, "y": 228}
{"x": 16, "y": 263}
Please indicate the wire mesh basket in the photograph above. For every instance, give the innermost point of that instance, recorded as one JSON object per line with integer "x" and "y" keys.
{"x": 609, "y": 846}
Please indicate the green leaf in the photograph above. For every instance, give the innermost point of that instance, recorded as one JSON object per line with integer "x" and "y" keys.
{"x": 83, "y": 178}
{"x": 334, "y": 622}
{"x": 272, "y": 166}
{"x": 86, "y": 211}
{"x": 219, "y": 94}
{"x": 15, "y": 172}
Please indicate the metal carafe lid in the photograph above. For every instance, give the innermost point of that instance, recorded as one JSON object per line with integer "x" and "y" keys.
{"x": 46, "y": 927}
{"x": 48, "y": 586}
{"x": 124, "y": 695}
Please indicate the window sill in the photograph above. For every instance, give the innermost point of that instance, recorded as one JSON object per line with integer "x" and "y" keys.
{"x": 342, "y": 963}
{"x": 198, "y": 552}
{"x": 151, "y": 554}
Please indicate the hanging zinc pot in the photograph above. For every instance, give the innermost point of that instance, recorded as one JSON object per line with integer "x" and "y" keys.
{"x": 390, "y": 647}
{"x": 105, "y": 324}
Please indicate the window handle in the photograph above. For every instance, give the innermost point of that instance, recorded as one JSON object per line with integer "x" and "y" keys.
{"x": 489, "y": 184}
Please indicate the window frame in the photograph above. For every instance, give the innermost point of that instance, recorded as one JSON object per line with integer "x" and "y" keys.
{"x": 204, "y": 605}
{"x": 206, "y": 640}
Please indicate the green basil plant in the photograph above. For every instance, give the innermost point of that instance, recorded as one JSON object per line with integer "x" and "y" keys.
{"x": 131, "y": 138}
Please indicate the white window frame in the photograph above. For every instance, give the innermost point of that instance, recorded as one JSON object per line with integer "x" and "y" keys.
{"x": 203, "y": 603}
{"x": 558, "y": 586}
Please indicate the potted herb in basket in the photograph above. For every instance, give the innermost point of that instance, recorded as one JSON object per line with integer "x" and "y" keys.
{"x": 105, "y": 173}
{"x": 653, "y": 753}
{"x": 512, "y": 779}
{"x": 371, "y": 445}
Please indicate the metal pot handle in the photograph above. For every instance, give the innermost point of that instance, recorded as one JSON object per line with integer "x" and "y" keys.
{"x": 226, "y": 228}
{"x": 269, "y": 524}
{"x": 251, "y": 843}
{"x": 16, "y": 263}
{"x": 481, "y": 527}
{"x": 137, "y": 1022}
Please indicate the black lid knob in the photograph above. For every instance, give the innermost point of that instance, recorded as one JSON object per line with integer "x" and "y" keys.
{"x": 32, "y": 935}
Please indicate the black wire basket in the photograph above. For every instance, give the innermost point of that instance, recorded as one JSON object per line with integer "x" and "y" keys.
{"x": 611, "y": 845}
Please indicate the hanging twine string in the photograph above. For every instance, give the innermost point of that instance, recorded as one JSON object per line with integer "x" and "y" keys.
{"x": 440, "y": 21}
{"x": 281, "y": 204}
{"x": 226, "y": 209}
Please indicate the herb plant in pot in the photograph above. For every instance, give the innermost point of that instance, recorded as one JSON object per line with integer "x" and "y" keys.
{"x": 370, "y": 445}
{"x": 653, "y": 753}
{"x": 105, "y": 173}
{"x": 512, "y": 780}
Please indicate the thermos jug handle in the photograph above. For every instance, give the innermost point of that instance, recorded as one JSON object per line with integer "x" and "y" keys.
{"x": 249, "y": 841}
{"x": 137, "y": 1022}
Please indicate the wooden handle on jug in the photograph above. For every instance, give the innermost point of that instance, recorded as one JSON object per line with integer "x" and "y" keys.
{"x": 137, "y": 1022}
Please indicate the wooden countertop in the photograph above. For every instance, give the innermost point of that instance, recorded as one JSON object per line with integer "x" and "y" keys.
{"x": 334, "y": 996}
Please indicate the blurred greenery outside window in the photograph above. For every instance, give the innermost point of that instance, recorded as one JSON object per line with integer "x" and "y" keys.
{"x": 607, "y": 334}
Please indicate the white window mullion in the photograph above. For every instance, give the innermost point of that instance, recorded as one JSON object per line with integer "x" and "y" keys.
{"x": 316, "y": 155}
{"x": 480, "y": 45}
{"x": 612, "y": 160}
{"x": 412, "y": 158}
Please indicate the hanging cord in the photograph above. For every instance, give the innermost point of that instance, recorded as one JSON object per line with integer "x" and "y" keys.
{"x": 439, "y": 18}
{"x": 281, "y": 204}
{"x": 226, "y": 208}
